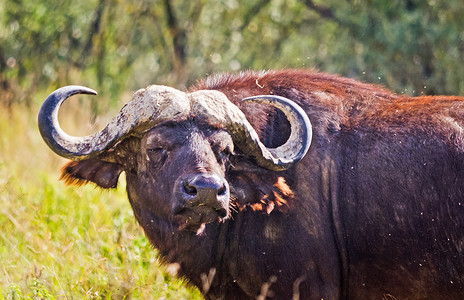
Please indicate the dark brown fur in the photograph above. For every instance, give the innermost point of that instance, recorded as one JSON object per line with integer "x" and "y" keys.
{"x": 374, "y": 210}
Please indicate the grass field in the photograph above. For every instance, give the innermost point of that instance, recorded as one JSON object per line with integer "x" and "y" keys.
{"x": 59, "y": 242}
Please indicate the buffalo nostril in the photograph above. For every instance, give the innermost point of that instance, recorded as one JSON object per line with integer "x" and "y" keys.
{"x": 222, "y": 191}
{"x": 203, "y": 189}
{"x": 189, "y": 189}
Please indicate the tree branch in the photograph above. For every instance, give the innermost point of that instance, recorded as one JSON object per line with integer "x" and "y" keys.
{"x": 94, "y": 30}
{"x": 252, "y": 12}
{"x": 179, "y": 36}
{"x": 323, "y": 11}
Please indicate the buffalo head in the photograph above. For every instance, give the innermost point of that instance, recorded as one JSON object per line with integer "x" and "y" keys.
{"x": 176, "y": 149}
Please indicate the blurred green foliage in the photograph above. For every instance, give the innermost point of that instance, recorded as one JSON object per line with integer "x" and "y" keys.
{"x": 411, "y": 46}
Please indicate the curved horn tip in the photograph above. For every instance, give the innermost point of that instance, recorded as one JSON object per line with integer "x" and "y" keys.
{"x": 49, "y": 127}
{"x": 75, "y": 89}
{"x": 296, "y": 147}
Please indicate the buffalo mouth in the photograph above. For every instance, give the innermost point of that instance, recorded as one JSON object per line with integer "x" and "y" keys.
{"x": 194, "y": 219}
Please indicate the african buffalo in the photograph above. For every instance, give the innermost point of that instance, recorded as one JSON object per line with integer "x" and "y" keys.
{"x": 227, "y": 189}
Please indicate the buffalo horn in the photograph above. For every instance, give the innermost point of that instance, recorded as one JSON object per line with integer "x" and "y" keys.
{"x": 149, "y": 107}
{"x": 156, "y": 104}
{"x": 294, "y": 149}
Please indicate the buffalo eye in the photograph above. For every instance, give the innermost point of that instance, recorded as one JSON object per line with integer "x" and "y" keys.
{"x": 222, "y": 146}
{"x": 157, "y": 154}
{"x": 223, "y": 156}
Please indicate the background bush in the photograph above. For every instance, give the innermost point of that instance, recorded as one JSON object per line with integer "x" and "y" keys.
{"x": 411, "y": 46}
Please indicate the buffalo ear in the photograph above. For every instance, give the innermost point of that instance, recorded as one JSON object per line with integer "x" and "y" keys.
{"x": 104, "y": 174}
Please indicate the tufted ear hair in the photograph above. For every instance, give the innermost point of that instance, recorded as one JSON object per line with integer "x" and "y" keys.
{"x": 102, "y": 173}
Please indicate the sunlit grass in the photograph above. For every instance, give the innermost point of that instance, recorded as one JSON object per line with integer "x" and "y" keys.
{"x": 59, "y": 242}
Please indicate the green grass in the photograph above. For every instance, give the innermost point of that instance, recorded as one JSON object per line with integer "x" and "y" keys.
{"x": 59, "y": 242}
